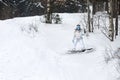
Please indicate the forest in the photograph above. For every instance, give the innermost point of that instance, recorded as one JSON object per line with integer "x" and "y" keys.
{"x": 20, "y": 8}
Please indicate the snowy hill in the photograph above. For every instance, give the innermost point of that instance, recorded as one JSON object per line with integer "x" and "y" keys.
{"x": 31, "y": 50}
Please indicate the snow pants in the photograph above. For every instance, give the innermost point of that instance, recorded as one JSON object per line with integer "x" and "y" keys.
{"x": 79, "y": 41}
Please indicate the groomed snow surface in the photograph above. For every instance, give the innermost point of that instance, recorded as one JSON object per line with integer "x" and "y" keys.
{"x": 31, "y": 50}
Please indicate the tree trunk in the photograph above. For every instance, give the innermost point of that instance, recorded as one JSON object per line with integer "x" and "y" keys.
{"x": 106, "y": 6}
{"x": 91, "y": 17}
{"x": 116, "y": 20}
{"x": 118, "y": 4}
{"x": 94, "y": 7}
{"x": 114, "y": 8}
{"x": 111, "y": 27}
{"x": 49, "y": 14}
{"x": 88, "y": 10}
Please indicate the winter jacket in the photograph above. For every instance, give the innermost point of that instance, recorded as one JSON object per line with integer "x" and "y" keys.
{"x": 78, "y": 34}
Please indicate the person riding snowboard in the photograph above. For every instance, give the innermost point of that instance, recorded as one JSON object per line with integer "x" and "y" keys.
{"x": 78, "y": 38}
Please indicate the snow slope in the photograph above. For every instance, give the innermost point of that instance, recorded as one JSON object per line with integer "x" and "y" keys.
{"x": 31, "y": 50}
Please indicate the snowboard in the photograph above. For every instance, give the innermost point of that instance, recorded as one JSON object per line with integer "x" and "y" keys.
{"x": 88, "y": 50}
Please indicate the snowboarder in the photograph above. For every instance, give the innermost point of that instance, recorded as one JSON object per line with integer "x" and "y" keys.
{"x": 78, "y": 38}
